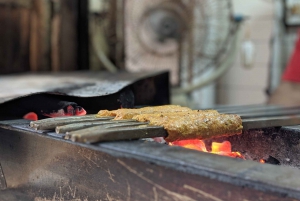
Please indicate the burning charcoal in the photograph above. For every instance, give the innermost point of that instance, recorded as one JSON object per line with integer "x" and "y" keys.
{"x": 272, "y": 160}
{"x": 64, "y": 108}
{"x": 126, "y": 99}
{"x": 40, "y": 107}
{"x": 223, "y": 148}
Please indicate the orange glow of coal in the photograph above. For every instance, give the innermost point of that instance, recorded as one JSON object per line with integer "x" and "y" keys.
{"x": 223, "y": 148}
{"x": 262, "y": 161}
{"x": 191, "y": 144}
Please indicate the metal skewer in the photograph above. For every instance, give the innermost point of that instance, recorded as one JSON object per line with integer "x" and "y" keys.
{"x": 266, "y": 122}
{"x": 82, "y": 125}
{"x": 119, "y": 133}
{"x": 131, "y": 131}
{"x": 51, "y": 124}
{"x": 104, "y": 129}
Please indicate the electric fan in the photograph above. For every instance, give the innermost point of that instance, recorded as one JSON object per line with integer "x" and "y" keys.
{"x": 187, "y": 37}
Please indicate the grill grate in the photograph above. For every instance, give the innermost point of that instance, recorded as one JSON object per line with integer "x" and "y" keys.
{"x": 93, "y": 129}
{"x": 33, "y": 160}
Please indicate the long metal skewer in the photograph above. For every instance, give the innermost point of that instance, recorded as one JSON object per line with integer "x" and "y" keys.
{"x": 91, "y": 129}
{"x": 51, "y": 124}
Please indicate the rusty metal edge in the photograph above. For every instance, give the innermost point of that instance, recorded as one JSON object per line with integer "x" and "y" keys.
{"x": 131, "y": 79}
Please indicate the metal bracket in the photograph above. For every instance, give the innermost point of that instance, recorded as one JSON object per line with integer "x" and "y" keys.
{"x": 2, "y": 179}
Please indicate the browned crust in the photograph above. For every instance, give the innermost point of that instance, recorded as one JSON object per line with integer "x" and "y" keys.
{"x": 195, "y": 125}
{"x": 106, "y": 113}
{"x": 130, "y": 113}
{"x": 182, "y": 122}
{"x": 171, "y": 115}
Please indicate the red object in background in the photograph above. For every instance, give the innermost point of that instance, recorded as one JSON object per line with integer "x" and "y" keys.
{"x": 292, "y": 71}
{"x": 31, "y": 116}
{"x": 68, "y": 111}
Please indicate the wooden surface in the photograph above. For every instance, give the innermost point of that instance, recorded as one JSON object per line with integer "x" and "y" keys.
{"x": 43, "y": 35}
{"x": 40, "y": 32}
{"x": 14, "y": 37}
{"x": 68, "y": 35}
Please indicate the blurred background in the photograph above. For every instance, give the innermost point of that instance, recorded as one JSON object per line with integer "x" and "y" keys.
{"x": 229, "y": 52}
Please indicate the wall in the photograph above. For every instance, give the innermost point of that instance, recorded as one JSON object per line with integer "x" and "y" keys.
{"x": 240, "y": 85}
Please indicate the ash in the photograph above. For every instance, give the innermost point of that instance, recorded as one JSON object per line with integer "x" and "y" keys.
{"x": 278, "y": 146}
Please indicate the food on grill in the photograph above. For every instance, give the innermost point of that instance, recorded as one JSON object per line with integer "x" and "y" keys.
{"x": 171, "y": 115}
{"x": 130, "y": 113}
{"x": 182, "y": 122}
{"x": 195, "y": 124}
{"x": 107, "y": 113}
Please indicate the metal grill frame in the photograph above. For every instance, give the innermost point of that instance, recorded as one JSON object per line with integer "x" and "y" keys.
{"x": 43, "y": 165}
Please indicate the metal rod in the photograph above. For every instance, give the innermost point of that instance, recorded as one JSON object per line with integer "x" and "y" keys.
{"x": 267, "y": 122}
{"x": 53, "y": 123}
{"x": 66, "y": 118}
{"x": 137, "y": 132}
{"x": 91, "y": 129}
{"x": 101, "y": 128}
{"x": 271, "y": 113}
{"x": 245, "y": 108}
{"x": 84, "y": 125}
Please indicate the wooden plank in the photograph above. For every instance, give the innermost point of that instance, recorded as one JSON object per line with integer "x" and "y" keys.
{"x": 83, "y": 35}
{"x": 24, "y": 37}
{"x": 16, "y": 3}
{"x": 40, "y": 36}
{"x": 68, "y": 35}
{"x": 55, "y": 45}
{"x": 13, "y": 37}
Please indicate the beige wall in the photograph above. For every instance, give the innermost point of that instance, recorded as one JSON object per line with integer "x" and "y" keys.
{"x": 241, "y": 85}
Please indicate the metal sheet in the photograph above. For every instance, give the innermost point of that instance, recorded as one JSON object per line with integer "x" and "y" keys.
{"x": 22, "y": 94}
{"x": 80, "y": 84}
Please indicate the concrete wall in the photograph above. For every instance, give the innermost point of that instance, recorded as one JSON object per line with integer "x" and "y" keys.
{"x": 241, "y": 85}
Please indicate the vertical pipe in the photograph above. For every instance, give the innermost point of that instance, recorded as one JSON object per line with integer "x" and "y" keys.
{"x": 191, "y": 42}
{"x": 276, "y": 64}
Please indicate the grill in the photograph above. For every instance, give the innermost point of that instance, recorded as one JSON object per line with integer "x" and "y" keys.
{"x": 38, "y": 164}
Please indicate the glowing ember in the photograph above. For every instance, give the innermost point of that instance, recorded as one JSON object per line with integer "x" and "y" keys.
{"x": 223, "y": 148}
{"x": 190, "y": 144}
{"x": 262, "y": 161}
{"x": 31, "y": 116}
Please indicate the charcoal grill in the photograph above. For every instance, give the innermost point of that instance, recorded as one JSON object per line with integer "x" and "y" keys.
{"x": 42, "y": 165}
